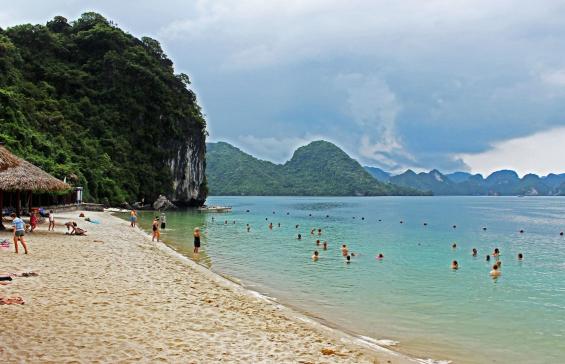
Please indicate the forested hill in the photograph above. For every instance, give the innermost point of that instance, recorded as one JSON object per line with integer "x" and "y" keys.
{"x": 317, "y": 169}
{"x": 90, "y": 102}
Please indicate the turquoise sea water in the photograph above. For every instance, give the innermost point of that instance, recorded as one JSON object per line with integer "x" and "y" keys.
{"x": 411, "y": 296}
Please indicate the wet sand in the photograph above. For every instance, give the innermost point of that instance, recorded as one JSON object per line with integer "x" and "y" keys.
{"x": 114, "y": 296}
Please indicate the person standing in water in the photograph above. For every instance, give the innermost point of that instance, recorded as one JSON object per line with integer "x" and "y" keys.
{"x": 155, "y": 227}
{"x": 315, "y": 256}
{"x": 163, "y": 221}
{"x": 344, "y": 250}
{"x": 196, "y": 240}
{"x": 495, "y": 272}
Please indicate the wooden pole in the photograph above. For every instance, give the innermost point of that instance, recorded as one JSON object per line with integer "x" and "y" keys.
{"x": 1, "y": 209}
{"x": 18, "y": 203}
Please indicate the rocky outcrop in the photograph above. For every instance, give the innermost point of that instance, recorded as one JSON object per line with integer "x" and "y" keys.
{"x": 188, "y": 169}
{"x": 163, "y": 203}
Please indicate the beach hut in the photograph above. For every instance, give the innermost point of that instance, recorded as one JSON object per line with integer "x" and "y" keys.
{"x": 18, "y": 175}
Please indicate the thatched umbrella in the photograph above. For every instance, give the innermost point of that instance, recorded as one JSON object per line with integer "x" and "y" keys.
{"x": 17, "y": 175}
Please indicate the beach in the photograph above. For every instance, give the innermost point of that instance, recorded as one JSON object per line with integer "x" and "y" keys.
{"x": 114, "y": 296}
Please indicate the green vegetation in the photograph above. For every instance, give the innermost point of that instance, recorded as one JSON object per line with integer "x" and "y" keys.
{"x": 317, "y": 169}
{"x": 87, "y": 101}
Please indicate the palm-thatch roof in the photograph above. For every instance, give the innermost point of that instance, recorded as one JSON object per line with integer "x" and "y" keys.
{"x": 7, "y": 159}
{"x": 17, "y": 174}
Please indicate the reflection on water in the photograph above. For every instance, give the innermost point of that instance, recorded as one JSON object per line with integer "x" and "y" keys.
{"x": 411, "y": 295}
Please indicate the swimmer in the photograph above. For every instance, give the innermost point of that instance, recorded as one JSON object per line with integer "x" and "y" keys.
{"x": 352, "y": 254}
{"x": 520, "y": 256}
{"x": 484, "y": 229}
{"x": 234, "y": 222}
{"x": 380, "y": 220}
{"x": 318, "y": 242}
{"x": 474, "y": 252}
{"x": 496, "y": 253}
{"x": 327, "y": 215}
{"x": 454, "y": 265}
{"x": 279, "y": 224}
{"x": 299, "y": 237}
{"x": 271, "y": 226}
{"x": 297, "y": 226}
{"x": 425, "y": 224}
{"x": 454, "y": 226}
{"x": 248, "y": 228}
{"x": 226, "y": 222}
{"x": 344, "y": 250}
{"x": 319, "y": 232}
{"x": 362, "y": 218}
{"x": 402, "y": 222}
{"x": 348, "y": 259}
{"x": 325, "y": 245}
{"x": 521, "y": 231}
{"x": 315, "y": 256}
{"x": 454, "y": 246}
{"x": 495, "y": 272}
{"x": 312, "y": 231}
{"x": 561, "y": 233}
{"x": 499, "y": 263}
{"x": 487, "y": 258}
{"x": 380, "y": 256}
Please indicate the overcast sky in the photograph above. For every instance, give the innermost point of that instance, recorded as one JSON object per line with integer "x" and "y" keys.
{"x": 447, "y": 84}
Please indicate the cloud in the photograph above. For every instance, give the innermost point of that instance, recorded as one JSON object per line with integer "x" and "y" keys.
{"x": 554, "y": 77}
{"x": 374, "y": 107}
{"x": 540, "y": 153}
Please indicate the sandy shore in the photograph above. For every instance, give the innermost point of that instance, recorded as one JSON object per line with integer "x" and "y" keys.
{"x": 114, "y": 296}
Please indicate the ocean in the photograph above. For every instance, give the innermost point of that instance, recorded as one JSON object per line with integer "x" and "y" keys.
{"x": 411, "y": 298}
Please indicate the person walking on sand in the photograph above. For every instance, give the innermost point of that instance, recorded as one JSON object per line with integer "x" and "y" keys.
{"x": 133, "y": 218}
{"x": 196, "y": 240}
{"x": 19, "y": 232}
{"x": 156, "y": 233}
{"x": 51, "y": 218}
{"x": 33, "y": 221}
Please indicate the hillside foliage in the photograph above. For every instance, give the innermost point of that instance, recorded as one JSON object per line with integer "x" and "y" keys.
{"x": 87, "y": 101}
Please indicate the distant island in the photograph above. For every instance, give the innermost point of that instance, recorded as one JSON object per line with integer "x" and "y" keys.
{"x": 499, "y": 183}
{"x": 317, "y": 169}
{"x": 102, "y": 109}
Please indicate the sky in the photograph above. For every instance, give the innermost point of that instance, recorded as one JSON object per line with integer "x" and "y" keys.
{"x": 448, "y": 84}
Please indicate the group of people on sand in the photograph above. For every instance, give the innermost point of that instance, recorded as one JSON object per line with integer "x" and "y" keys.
{"x": 20, "y": 228}
{"x": 495, "y": 272}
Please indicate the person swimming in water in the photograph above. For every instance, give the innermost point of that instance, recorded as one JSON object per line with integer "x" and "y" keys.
{"x": 454, "y": 265}
{"x": 271, "y": 226}
{"x": 495, "y": 272}
{"x": 315, "y": 256}
{"x": 325, "y": 245}
{"x": 344, "y": 250}
{"x": 496, "y": 253}
{"x": 297, "y": 226}
{"x": 474, "y": 252}
{"x": 499, "y": 264}
{"x": 299, "y": 237}
{"x": 380, "y": 256}
{"x": 318, "y": 242}
{"x": 487, "y": 258}
{"x": 248, "y": 228}
{"x": 312, "y": 231}
{"x": 319, "y": 232}
{"x": 454, "y": 246}
{"x": 348, "y": 259}
{"x": 520, "y": 256}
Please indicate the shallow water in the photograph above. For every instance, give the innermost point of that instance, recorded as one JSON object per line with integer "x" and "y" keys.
{"x": 411, "y": 296}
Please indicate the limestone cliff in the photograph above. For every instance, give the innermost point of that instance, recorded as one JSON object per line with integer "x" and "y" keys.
{"x": 188, "y": 169}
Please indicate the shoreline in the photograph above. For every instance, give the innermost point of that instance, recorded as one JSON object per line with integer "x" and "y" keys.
{"x": 115, "y": 296}
{"x": 294, "y": 313}
{"x": 375, "y": 346}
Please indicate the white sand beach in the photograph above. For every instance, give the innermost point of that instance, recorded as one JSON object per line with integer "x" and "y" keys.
{"x": 114, "y": 296}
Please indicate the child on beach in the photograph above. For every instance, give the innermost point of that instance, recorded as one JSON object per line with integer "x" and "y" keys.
{"x": 196, "y": 240}
{"x": 51, "y": 221}
{"x": 155, "y": 227}
{"x": 19, "y": 232}
{"x": 33, "y": 221}
{"x": 133, "y": 218}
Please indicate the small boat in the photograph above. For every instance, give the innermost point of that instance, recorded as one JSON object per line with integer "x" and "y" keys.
{"x": 214, "y": 209}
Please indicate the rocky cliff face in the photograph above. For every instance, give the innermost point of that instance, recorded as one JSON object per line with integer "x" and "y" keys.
{"x": 188, "y": 169}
